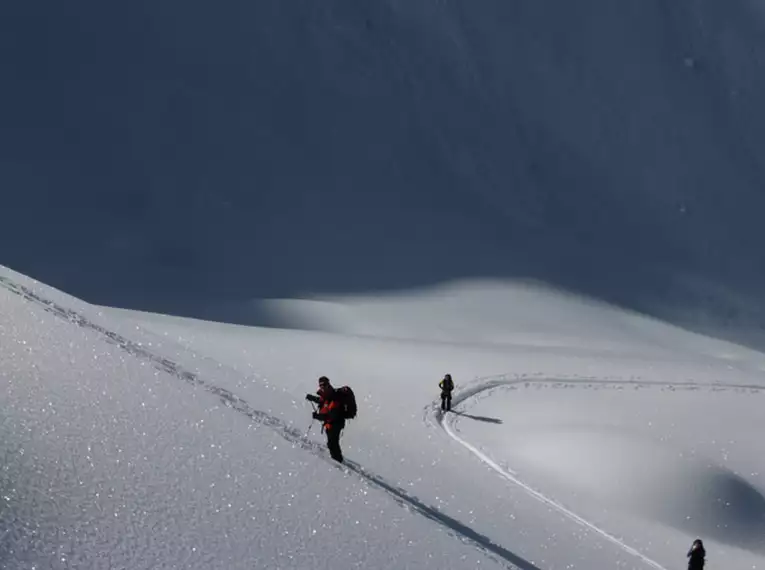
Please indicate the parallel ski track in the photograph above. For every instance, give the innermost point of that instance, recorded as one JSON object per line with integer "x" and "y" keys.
{"x": 446, "y": 422}
{"x": 294, "y": 436}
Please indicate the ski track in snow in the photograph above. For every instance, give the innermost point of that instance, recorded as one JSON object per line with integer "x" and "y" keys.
{"x": 482, "y": 385}
{"x": 432, "y": 411}
{"x": 297, "y": 438}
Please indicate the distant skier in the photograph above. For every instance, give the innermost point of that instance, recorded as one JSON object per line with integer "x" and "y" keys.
{"x": 335, "y": 406}
{"x": 447, "y": 386}
{"x": 696, "y": 555}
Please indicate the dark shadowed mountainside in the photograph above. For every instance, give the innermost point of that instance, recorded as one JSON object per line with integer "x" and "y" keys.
{"x": 172, "y": 155}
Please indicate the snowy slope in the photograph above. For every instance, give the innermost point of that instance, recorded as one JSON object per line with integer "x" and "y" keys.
{"x": 533, "y": 196}
{"x": 111, "y": 460}
{"x": 280, "y": 149}
{"x": 153, "y": 440}
{"x": 643, "y": 498}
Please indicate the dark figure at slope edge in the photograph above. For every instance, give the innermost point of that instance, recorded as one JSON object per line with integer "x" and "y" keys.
{"x": 447, "y": 386}
{"x": 696, "y": 555}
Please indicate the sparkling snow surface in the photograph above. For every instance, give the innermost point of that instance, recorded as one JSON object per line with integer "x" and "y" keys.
{"x": 399, "y": 189}
{"x": 141, "y": 441}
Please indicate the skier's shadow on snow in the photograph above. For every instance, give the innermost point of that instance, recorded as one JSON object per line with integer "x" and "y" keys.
{"x": 288, "y": 432}
{"x": 478, "y": 418}
{"x": 461, "y": 530}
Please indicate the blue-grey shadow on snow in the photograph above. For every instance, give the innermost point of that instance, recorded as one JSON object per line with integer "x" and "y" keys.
{"x": 724, "y": 507}
{"x": 690, "y": 493}
{"x": 288, "y": 432}
{"x": 269, "y": 150}
{"x": 477, "y": 418}
{"x": 458, "y": 528}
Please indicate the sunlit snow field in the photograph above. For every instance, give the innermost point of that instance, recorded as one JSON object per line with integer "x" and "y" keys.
{"x": 558, "y": 203}
{"x": 136, "y": 440}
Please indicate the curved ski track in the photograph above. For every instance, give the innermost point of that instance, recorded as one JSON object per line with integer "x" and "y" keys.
{"x": 446, "y": 422}
{"x": 432, "y": 412}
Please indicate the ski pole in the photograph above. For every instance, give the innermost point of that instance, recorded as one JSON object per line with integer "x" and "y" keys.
{"x": 311, "y": 424}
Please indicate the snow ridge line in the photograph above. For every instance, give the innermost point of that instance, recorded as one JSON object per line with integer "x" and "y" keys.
{"x": 166, "y": 365}
{"x": 292, "y": 435}
{"x": 490, "y": 383}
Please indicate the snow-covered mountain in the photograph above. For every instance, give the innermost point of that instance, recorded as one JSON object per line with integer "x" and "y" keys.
{"x": 556, "y": 203}
{"x": 188, "y": 158}
{"x": 132, "y": 440}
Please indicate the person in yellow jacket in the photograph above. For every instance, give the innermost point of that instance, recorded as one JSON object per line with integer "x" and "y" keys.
{"x": 447, "y": 386}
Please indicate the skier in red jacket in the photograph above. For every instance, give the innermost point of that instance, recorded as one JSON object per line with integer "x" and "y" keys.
{"x": 331, "y": 413}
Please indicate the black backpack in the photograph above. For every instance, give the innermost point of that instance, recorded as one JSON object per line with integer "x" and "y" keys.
{"x": 347, "y": 400}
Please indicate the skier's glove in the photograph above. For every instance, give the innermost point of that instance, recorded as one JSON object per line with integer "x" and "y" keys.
{"x": 312, "y": 398}
{"x": 316, "y": 415}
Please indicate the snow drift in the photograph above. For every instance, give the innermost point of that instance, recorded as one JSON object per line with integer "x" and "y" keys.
{"x": 637, "y": 474}
{"x": 667, "y": 453}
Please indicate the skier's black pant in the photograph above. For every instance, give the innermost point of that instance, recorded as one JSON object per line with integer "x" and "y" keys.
{"x": 333, "y": 442}
{"x": 446, "y": 401}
